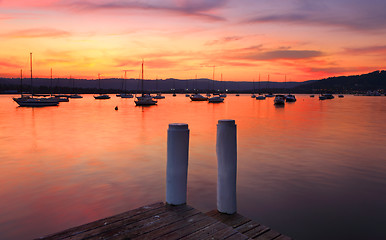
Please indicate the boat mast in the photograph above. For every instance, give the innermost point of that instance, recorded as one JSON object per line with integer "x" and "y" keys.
{"x": 99, "y": 83}
{"x": 21, "y": 82}
{"x": 124, "y": 80}
{"x": 253, "y": 86}
{"x": 142, "y": 79}
{"x": 51, "y": 82}
{"x": 30, "y": 60}
{"x": 213, "y": 78}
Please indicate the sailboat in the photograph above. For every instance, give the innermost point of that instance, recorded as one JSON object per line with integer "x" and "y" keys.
{"x": 159, "y": 95}
{"x": 253, "y": 93}
{"x": 197, "y": 97}
{"x": 215, "y": 99}
{"x": 74, "y": 95}
{"x": 144, "y": 99}
{"x": 289, "y": 97}
{"x": 260, "y": 97}
{"x": 269, "y": 94}
{"x": 30, "y": 101}
{"x": 125, "y": 95}
{"x": 101, "y": 96}
{"x": 223, "y": 95}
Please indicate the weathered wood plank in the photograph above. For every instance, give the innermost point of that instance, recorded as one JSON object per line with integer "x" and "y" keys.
{"x": 194, "y": 226}
{"x": 133, "y": 224}
{"x": 247, "y": 226}
{"x": 237, "y": 236}
{"x": 127, "y": 221}
{"x": 233, "y": 220}
{"x": 283, "y": 237}
{"x": 211, "y": 231}
{"x": 269, "y": 235}
{"x": 151, "y": 230}
{"x": 102, "y": 222}
{"x": 257, "y": 231}
{"x": 181, "y": 223}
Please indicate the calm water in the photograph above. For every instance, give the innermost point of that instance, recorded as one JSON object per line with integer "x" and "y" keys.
{"x": 312, "y": 169}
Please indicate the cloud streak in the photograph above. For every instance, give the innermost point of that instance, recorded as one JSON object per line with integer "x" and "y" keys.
{"x": 353, "y": 15}
{"x": 376, "y": 50}
{"x": 37, "y": 33}
{"x": 201, "y": 9}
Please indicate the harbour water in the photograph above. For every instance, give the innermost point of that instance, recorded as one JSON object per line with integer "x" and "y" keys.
{"x": 310, "y": 170}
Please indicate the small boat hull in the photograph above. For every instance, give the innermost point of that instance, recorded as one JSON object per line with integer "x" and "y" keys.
{"x": 145, "y": 101}
{"x": 102, "y": 97}
{"x": 198, "y": 97}
{"x": 279, "y": 100}
{"x": 261, "y": 97}
{"x": 126, "y": 96}
{"x": 36, "y": 102}
{"x": 216, "y": 100}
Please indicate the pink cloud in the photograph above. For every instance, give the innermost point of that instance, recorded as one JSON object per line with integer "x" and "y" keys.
{"x": 36, "y": 33}
{"x": 367, "y": 50}
{"x": 201, "y": 9}
{"x": 8, "y": 63}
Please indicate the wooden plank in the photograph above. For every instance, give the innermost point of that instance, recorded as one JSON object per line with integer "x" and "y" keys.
{"x": 233, "y": 220}
{"x": 257, "y": 231}
{"x": 193, "y": 227}
{"x": 151, "y": 230}
{"x": 247, "y": 227}
{"x": 237, "y": 236}
{"x": 268, "y": 235}
{"x": 283, "y": 237}
{"x": 182, "y": 223}
{"x": 102, "y": 222}
{"x": 211, "y": 231}
{"x": 132, "y": 224}
{"x": 118, "y": 224}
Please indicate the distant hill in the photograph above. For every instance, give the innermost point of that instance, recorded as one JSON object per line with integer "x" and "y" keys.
{"x": 343, "y": 84}
{"x": 63, "y": 85}
{"x": 346, "y": 84}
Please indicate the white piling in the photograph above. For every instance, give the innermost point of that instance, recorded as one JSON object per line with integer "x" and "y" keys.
{"x": 226, "y": 149}
{"x": 177, "y": 163}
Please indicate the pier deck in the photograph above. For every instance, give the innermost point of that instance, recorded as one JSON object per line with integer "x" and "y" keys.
{"x": 162, "y": 221}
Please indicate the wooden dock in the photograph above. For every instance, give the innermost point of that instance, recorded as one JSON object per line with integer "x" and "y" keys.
{"x": 163, "y": 221}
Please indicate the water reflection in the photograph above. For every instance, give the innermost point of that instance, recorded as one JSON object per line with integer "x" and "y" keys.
{"x": 310, "y": 164}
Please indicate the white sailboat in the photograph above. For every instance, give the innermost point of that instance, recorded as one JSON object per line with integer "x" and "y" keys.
{"x": 101, "y": 96}
{"x": 260, "y": 97}
{"x": 159, "y": 94}
{"x": 125, "y": 94}
{"x": 253, "y": 93}
{"x": 215, "y": 99}
{"x": 279, "y": 100}
{"x": 144, "y": 99}
{"x": 30, "y": 101}
{"x": 269, "y": 94}
{"x": 74, "y": 95}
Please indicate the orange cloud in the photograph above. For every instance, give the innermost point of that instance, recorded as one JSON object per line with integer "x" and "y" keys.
{"x": 37, "y": 33}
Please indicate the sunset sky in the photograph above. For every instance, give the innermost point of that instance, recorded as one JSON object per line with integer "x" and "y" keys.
{"x": 302, "y": 39}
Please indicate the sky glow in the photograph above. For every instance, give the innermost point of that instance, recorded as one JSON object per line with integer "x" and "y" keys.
{"x": 302, "y": 39}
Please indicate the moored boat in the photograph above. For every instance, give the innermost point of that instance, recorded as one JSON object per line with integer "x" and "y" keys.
{"x": 126, "y": 95}
{"x": 144, "y": 99}
{"x": 101, "y": 96}
{"x": 260, "y": 97}
{"x": 198, "y": 97}
{"x": 279, "y": 100}
{"x": 290, "y": 98}
{"x": 30, "y": 101}
{"x": 216, "y": 99}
